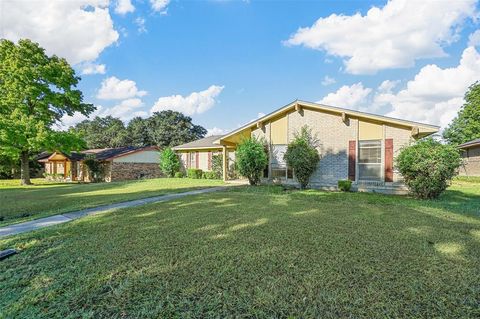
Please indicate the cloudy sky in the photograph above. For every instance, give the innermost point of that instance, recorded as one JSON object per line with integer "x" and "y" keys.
{"x": 225, "y": 63}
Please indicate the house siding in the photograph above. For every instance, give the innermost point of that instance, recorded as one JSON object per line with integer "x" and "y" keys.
{"x": 334, "y": 136}
{"x": 471, "y": 162}
{"x": 401, "y": 137}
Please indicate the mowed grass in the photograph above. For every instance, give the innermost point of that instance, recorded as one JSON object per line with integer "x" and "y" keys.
{"x": 255, "y": 252}
{"x": 21, "y": 203}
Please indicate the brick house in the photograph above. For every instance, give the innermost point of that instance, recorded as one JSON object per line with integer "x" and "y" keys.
{"x": 123, "y": 163}
{"x": 471, "y": 158}
{"x": 353, "y": 145}
{"x": 198, "y": 154}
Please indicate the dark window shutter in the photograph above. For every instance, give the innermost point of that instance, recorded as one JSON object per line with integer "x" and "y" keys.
{"x": 352, "y": 147}
{"x": 196, "y": 159}
{"x": 388, "y": 160}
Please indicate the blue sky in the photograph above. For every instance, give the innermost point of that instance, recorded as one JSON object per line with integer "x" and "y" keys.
{"x": 224, "y": 63}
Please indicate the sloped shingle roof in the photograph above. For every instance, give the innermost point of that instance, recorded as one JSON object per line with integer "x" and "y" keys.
{"x": 471, "y": 143}
{"x": 206, "y": 142}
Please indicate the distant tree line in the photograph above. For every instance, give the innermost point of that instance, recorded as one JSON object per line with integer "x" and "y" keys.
{"x": 163, "y": 129}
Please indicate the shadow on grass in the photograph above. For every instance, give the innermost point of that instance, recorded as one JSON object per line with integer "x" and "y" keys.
{"x": 251, "y": 252}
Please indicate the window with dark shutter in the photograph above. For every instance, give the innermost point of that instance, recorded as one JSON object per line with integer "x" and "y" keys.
{"x": 388, "y": 160}
{"x": 352, "y": 145}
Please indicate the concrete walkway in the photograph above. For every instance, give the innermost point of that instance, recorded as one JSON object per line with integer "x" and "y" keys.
{"x": 63, "y": 218}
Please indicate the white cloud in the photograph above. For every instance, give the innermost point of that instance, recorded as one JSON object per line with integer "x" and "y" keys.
{"x": 160, "y": 5}
{"x": 387, "y": 86}
{"x": 124, "y": 6}
{"x": 194, "y": 103}
{"x": 140, "y": 22}
{"x": 435, "y": 95}
{"x": 115, "y": 89}
{"x": 76, "y": 30}
{"x": 127, "y": 109}
{"x": 474, "y": 39}
{"x": 390, "y": 37}
{"x": 216, "y": 131}
{"x": 328, "y": 80}
{"x": 92, "y": 68}
{"x": 353, "y": 96}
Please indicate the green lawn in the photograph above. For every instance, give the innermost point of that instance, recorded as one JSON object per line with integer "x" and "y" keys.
{"x": 255, "y": 252}
{"x": 21, "y": 203}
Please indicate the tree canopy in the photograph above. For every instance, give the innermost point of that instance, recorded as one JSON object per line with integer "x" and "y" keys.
{"x": 466, "y": 126}
{"x": 163, "y": 129}
{"x": 103, "y": 132}
{"x": 36, "y": 90}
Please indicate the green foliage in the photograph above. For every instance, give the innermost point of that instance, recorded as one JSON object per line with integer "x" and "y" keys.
{"x": 102, "y": 132}
{"x": 211, "y": 175}
{"x": 302, "y": 155}
{"x": 169, "y": 162}
{"x": 138, "y": 133}
{"x": 170, "y": 128}
{"x": 251, "y": 159}
{"x": 179, "y": 175}
{"x": 466, "y": 126}
{"x": 194, "y": 173}
{"x": 35, "y": 92}
{"x": 428, "y": 167}
{"x": 344, "y": 185}
{"x": 217, "y": 165}
{"x": 96, "y": 169}
{"x": 164, "y": 129}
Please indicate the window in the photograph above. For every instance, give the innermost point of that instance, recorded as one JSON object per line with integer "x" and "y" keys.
{"x": 193, "y": 159}
{"x": 278, "y": 164}
{"x": 370, "y": 160}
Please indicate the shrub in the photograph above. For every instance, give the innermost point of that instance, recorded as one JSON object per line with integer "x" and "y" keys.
{"x": 302, "y": 156}
{"x": 179, "y": 175}
{"x": 428, "y": 166}
{"x": 194, "y": 173}
{"x": 251, "y": 159}
{"x": 210, "y": 175}
{"x": 217, "y": 165}
{"x": 96, "y": 169}
{"x": 344, "y": 185}
{"x": 169, "y": 162}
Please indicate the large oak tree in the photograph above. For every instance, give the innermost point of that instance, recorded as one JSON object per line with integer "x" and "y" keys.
{"x": 36, "y": 90}
{"x": 466, "y": 126}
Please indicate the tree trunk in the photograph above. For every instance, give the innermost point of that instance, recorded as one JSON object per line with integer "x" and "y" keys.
{"x": 25, "y": 169}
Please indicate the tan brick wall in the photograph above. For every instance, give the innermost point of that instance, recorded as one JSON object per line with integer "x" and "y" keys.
{"x": 401, "y": 137}
{"x": 471, "y": 159}
{"x": 333, "y": 135}
{"x": 129, "y": 171}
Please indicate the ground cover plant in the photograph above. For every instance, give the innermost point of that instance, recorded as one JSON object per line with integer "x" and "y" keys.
{"x": 20, "y": 203}
{"x": 310, "y": 254}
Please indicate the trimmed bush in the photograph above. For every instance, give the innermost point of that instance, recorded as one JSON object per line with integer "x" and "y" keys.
{"x": 428, "y": 167}
{"x": 194, "y": 173}
{"x": 169, "y": 162}
{"x": 251, "y": 159}
{"x": 302, "y": 156}
{"x": 210, "y": 175}
{"x": 344, "y": 185}
{"x": 217, "y": 165}
{"x": 179, "y": 175}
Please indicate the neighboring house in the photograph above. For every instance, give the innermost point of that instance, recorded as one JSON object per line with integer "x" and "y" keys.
{"x": 123, "y": 163}
{"x": 353, "y": 145}
{"x": 198, "y": 154}
{"x": 471, "y": 157}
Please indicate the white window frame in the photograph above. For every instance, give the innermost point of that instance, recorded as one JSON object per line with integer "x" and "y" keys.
{"x": 380, "y": 163}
